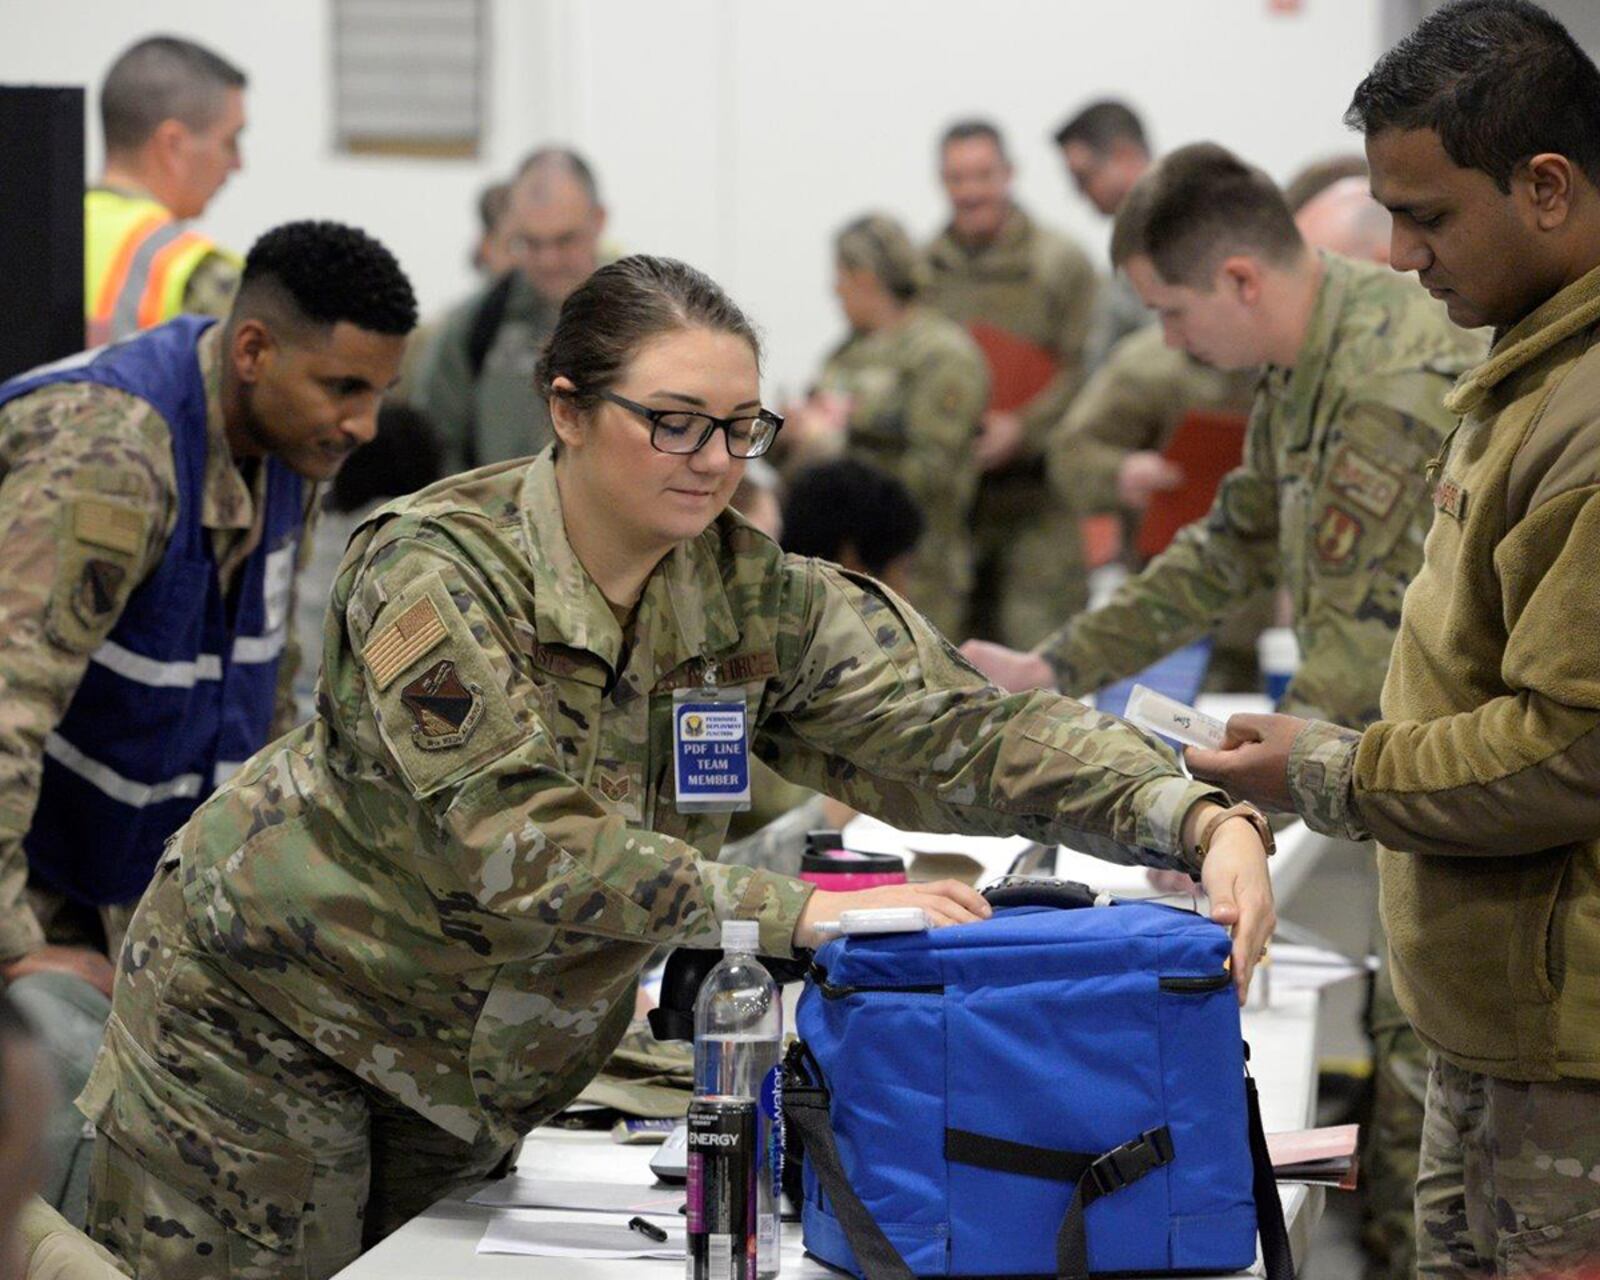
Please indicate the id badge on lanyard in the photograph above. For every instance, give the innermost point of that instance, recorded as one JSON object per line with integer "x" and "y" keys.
{"x": 711, "y": 748}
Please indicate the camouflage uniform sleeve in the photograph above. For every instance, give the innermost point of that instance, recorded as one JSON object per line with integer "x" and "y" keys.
{"x": 86, "y": 506}
{"x": 444, "y": 386}
{"x": 1322, "y": 778}
{"x": 875, "y": 708}
{"x": 527, "y": 840}
{"x": 1114, "y": 415}
{"x": 211, "y": 285}
{"x": 286, "y": 708}
{"x": 1211, "y": 565}
{"x": 1073, "y": 289}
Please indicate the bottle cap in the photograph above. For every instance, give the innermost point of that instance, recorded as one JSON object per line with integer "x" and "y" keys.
{"x": 741, "y": 935}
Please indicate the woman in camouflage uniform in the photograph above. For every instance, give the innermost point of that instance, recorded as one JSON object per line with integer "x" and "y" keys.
{"x": 905, "y": 392}
{"x": 409, "y": 931}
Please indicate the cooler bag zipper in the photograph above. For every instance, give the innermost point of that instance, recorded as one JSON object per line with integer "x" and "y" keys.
{"x": 1196, "y": 986}
{"x": 819, "y": 976}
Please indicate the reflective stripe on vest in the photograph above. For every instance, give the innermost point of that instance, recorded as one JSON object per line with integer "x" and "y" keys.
{"x": 138, "y": 260}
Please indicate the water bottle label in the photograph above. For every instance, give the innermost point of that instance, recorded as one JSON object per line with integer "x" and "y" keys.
{"x": 770, "y": 1093}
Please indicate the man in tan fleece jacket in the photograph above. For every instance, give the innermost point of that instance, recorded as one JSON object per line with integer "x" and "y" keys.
{"x": 1482, "y": 781}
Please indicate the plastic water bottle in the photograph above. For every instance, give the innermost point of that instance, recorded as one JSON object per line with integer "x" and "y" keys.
{"x": 738, "y": 1038}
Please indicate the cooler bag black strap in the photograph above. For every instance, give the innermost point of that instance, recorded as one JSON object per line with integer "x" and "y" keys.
{"x": 1092, "y": 1176}
{"x": 1275, "y": 1252}
{"x": 805, "y": 1105}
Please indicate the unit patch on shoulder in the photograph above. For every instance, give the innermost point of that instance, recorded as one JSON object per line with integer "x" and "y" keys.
{"x": 403, "y": 641}
{"x": 1337, "y": 535}
{"x": 445, "y": 710}
{"x": 1371, "y": 487}
{"x": 97, "y": 590}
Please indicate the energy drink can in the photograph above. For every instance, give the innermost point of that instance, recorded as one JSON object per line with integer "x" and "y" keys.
{"x": 722, "y": 1189}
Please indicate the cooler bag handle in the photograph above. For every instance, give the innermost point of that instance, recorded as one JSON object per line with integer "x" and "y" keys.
{"x": 1039, "y": 891}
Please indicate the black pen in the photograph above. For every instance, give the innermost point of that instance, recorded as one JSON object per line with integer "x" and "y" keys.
{"x": 648, "y": 1230}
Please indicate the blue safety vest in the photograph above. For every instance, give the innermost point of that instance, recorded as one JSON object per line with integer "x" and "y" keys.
{"x": 182, "y": 690}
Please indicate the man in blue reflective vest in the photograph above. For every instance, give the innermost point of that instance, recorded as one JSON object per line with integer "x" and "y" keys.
{"x": 153, "y": 495}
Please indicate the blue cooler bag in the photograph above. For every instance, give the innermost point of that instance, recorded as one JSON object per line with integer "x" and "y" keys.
{"x": 1059, "y": 1090}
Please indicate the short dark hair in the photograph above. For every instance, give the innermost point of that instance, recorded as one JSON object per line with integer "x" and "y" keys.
{"x": 1203, "y": 204}
{"x": 162, "y": 78}
{"x": 1498, "y": 80}
{"x": 962, "y": 130}
{"x": 1127, "y": 227}
{"x": 403, "y": 457}
{"x": 619, "y": 308}
{"x": 846, "y": 503}
{"x": 560, "y": 160}
{"x": 323, "y": 272}
{"x": 1315, "y": 178}
{"x": 1102, "y": 123}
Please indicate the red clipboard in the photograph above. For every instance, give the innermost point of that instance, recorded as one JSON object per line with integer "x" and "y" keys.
{"x": 1018, "y": 369}
{"x": 1206, "y": 445}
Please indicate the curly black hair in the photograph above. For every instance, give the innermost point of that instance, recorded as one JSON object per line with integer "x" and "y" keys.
{"x": 848, "y": 504}
{"x": 332, "y": 272}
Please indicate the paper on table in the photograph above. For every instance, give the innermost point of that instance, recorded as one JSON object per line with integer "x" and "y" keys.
{"x": 518, "y": 1192}
{"x": 538, "y": 1235}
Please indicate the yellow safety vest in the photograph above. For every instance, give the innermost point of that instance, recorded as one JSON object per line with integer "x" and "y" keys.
{"x": 137, "y": 261}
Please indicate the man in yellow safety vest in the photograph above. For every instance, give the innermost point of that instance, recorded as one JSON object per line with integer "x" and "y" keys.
{"x": 172, "y": 113}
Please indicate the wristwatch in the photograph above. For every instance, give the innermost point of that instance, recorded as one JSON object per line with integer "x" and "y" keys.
{"x": 1252, "y": 815}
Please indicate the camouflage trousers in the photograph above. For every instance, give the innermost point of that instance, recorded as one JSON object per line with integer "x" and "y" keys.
{"x": 1028, "y": 574}
{"x": 1509, "y": 1181}
{"x": 229, "y": 1148}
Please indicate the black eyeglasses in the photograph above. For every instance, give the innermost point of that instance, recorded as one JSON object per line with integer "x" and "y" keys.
{"x": 683, "y": 431}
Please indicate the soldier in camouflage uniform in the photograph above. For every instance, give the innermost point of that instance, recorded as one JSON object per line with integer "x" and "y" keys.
{"x": 410, "y": 930}
{"x": 1479, "y": 782}
{"x": 127, "y": 478}
{"x": 1331, "y": 502}
{"x": 996, "y": 269}
{"x": 911, "y": 386}
{"x": 90, "y": 499}
{"x": 474, "y": 379}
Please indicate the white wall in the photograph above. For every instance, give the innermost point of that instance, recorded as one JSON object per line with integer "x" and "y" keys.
{"x": 740, "y": 133}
